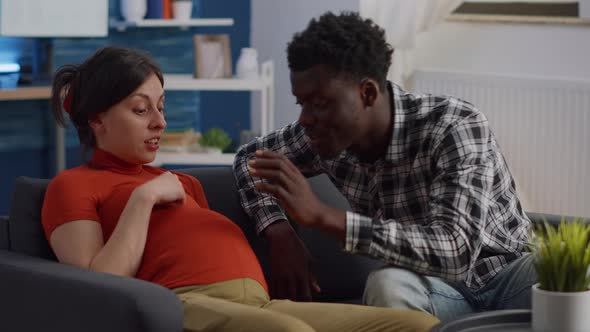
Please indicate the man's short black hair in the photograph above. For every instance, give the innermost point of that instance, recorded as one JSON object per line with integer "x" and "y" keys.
{"x": 347, "y": 43}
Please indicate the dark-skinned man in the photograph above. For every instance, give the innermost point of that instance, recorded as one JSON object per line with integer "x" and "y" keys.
{"x": 430, "y": 192}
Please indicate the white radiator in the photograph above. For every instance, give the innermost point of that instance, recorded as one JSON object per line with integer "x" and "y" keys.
{"x": 543, "y": 127}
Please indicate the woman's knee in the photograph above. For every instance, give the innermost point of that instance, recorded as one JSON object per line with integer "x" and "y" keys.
{"x": 404, "y": 320}
{"x": 204, "y": 314}
{"x": 274, "y": 321}
{"x": 264, "y": 321}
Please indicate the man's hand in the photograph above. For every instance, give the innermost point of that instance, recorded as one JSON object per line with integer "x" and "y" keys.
{"x": 288, "y": 185}
{"x": 166, "y": 188}
{"x": 290, "y": 264}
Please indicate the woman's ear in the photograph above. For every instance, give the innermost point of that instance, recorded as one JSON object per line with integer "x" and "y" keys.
{"x": 96, "y": 123}
{"x": 369, "y": 92}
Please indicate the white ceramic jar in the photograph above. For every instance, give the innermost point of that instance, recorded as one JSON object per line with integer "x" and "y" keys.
{"x": 133, "y": 10}
{"x": 182, "y": 10}
{"x": 247, "y": 65}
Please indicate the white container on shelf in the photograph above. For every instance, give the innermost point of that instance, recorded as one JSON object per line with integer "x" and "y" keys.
{"x": 182, "y": 10}
{"x": 133, "y": 10}
{"x": 247, "y": 66}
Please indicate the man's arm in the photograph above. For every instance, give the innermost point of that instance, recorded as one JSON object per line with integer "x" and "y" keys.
{"x": 290, "y": 142}
{"x": 290, "y": 262}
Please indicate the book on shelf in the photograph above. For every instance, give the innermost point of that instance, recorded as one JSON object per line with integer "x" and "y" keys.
{"x": 178, "y": 140}
{"x": 155, "y": 9}
{"x": 167, "y": 9}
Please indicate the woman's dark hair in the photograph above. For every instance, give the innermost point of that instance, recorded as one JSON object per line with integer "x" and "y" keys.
{"x": 103, "y": 80}
{"x": 348, "y": 44}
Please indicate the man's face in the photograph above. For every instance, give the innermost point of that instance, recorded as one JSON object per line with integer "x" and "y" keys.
{"x": 331, "y": 109}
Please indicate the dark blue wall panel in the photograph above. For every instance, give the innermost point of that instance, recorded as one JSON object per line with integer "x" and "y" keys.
{"x": 27, "y": 131}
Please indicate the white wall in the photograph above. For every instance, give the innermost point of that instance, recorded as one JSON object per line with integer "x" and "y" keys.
{"x": 273, "y": 24}
{"x": 545, "y": 50}
{"x": 529, "y": 49}
{"x": 546, "y": 144}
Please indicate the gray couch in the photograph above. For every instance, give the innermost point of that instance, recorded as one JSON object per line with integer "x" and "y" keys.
{"x": 39, "y": 294}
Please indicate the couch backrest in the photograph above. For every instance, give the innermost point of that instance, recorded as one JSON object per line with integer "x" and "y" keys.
{"x": 4, "y": 232}
{"x": 340, "y": 275}
{"x": 24, "y": 225}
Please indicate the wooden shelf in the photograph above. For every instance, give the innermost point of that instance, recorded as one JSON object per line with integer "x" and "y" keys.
{"x": 190, "y": 158}
{"x": 160, "y": 23}
{"x": 188, "y": 82}
{"x": 37, "y": 92}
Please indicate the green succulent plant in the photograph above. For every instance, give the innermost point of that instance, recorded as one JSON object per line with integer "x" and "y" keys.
{"x": 562, "y": 256}
{"x": 215, "y": 137}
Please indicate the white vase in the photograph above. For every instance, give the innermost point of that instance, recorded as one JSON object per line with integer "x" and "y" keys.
{"x": 182, "y": 10}
{"x": 133, "y": 10}
{"x": 212, "y": 150}
{"x": 247, "y": 65}
{"x": 560, "y": 311}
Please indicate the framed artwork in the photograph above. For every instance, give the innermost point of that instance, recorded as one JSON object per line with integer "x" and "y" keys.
{"x": 212, "y": 56}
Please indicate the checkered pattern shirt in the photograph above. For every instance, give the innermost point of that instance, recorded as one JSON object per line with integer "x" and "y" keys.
{"x": 440, "y": 202}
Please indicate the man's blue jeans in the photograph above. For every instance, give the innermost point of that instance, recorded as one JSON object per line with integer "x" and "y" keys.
{"x": 400, "y": 288}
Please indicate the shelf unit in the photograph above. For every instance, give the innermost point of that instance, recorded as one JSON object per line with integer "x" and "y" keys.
{"x": 190, "y": 158}
{"x": 264, "y": 84}
{"x": 183, "y": 82}
{"x": 175, "y": 82}
{"x": 161, "y": 23}
{"x": 26, "y": 93}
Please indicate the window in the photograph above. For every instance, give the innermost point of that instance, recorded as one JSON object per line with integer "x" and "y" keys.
{"x": 524, "y": 11}
{"x": 520, "y": 8}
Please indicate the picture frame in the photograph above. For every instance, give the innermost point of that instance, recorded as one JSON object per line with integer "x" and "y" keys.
{"x": 212, "y": 56}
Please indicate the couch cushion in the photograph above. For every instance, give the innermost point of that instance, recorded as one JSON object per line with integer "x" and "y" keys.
{"x": 25, "y": 230}
{"x": 341, "y": 275}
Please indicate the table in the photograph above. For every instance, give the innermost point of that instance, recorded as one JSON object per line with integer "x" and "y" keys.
{"x": 490, "y": 321}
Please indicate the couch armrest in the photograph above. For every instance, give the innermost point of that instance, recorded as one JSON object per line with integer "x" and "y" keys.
{"x": 552, "y": 219}
{"x": 42, "y": 295}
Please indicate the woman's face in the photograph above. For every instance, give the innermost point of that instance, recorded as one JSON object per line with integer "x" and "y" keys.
{"x": 131, "y": 129}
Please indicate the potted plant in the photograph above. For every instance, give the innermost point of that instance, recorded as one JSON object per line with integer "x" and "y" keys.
{"x": 561, "y": 299}
{"x": 215, "y": 140}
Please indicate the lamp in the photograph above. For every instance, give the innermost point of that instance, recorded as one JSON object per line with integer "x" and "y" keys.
{"x": 9, "y": 74}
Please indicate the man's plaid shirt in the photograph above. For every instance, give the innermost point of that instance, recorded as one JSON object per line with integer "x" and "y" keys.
{"x": 441, "y": 202}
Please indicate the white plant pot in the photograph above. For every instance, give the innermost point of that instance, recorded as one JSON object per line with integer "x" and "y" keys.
{"x": 560, "y": 311}
{"x": 182, "y": 10}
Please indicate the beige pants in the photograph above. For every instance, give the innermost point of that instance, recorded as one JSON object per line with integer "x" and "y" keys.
{"x": 244, "y": 305}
